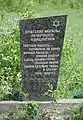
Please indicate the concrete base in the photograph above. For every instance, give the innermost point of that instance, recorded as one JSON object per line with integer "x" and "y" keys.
{"x": 58, "y": 101}
{"x": 56, "y": 109}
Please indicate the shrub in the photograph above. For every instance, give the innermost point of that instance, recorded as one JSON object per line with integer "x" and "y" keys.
{"x": 71, "y": 75}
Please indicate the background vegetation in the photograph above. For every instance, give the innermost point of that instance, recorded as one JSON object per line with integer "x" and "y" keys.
{"x": 71, "y": 73}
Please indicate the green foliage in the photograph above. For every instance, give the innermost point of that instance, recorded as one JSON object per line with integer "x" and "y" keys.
{"x": 68, "y": 3}
{"x": 24, "y": 5}
{"x": 78, "y": 95}
{"x": 77, "y": 113}
{"x": 9, "y": 63}
{"x": 15, "y": 95}
{"x": 15, "y": 5}
{"x": 71, "y": 75}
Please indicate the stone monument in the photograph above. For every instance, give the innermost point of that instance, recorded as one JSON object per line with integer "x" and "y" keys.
{"x": 41, "y": 47}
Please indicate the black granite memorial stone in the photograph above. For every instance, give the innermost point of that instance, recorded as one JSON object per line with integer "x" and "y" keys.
{"x": 41, "y": 48}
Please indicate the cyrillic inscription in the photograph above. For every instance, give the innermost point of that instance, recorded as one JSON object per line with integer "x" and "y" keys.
{"x": 41, "y": 48}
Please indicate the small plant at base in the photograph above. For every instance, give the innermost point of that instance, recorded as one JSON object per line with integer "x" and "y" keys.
{"x": 51, "y": 92}
{"x": 77, "y": 114}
